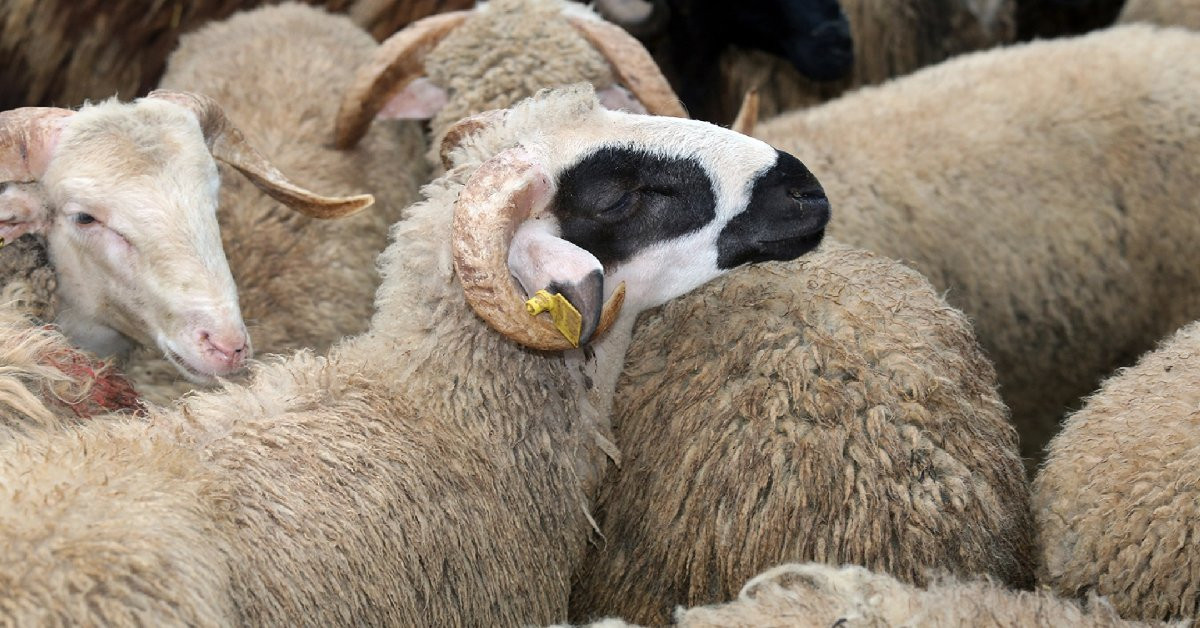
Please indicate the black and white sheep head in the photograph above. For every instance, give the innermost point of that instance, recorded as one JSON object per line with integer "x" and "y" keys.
{"x": 603, "y": 206}
{"x": 543, "y": 43}
{"x": 126, "y": 196}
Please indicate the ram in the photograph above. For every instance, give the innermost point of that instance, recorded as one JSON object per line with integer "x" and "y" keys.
{"x": 125, "y": 195}
{"x": 307, "y": 283}
{"x": 430, "y": 470}
{"x": 1053, "y": 204}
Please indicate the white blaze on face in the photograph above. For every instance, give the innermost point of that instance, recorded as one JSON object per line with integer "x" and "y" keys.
{"x": 136, "y": 242}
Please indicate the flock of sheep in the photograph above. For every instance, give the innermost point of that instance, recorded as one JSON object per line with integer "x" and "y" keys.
{"x": 725, "y": 423}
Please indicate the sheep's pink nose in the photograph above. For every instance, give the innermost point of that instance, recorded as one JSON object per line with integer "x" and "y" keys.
{"x": 230, "y": 347}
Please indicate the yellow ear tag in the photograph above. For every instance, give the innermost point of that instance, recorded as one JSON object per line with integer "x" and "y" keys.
{"x": 566, "y": 318}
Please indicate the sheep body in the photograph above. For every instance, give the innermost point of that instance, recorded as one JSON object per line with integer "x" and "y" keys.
{"x": 832, "y": 408}
{"x": 1068, "y": 263}
{"x": 1116, "y": 500}
{"x": 1163, "y": 12}
{"x": 428, "y": 470}
{"x": 302, "y": 282}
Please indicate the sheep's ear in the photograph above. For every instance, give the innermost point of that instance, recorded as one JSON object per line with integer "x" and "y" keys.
{"x": 572, "y": 279}
{"x": 617, "y": 98}
{"x": 421, "y": 99}
{"x": 23, "y": 209}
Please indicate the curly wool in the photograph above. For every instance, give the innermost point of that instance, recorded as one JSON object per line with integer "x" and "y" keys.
{"x": 27, "y": 280}
{"x": 829, "y": 409}
{"x": 1118, "y": 498}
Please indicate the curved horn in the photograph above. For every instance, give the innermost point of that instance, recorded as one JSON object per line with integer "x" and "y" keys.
{"x": 496, "y": 199}
{"x": 747, "y": 115}
{"x": 228, "y": 144}
{"x": 397, "y": 61}
{"x": 642, "y": 18}
{"x": 465, "y": 128}
{"x": 634, "y": 67}
{"x": 27, "y": 139}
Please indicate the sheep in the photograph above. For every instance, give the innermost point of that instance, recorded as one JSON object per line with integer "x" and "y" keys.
{"x": 1172, "y": 13}
{"x": 834, "y": 409}
{"x": 799, "y": 595}
{"x": 1050, "y": 201}
{"x": 438, "y": 468}
{"x": 67, "y": 52}
{"x": 125, "y": 196}
{"x": 889, "y": 39}
{"x": 448, "y": 67}
{"x": 1115, "y": 502}
{"x": 303, "y": 282}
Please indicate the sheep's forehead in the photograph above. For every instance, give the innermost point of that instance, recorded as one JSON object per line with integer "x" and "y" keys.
{"x": 150, "y": 149}
{"x": 731, "y": 160}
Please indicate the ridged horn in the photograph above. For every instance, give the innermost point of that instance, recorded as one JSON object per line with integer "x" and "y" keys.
{"x": 397, "y": 61}
{"x": 27, "y": 139}
{"x": 465, "y": 128}
{"x": 496, "y": 199}
{"x": 227, "y": 144}
{"x": 632, "y": 64}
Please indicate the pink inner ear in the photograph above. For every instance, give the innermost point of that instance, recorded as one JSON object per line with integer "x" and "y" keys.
{"x": 23, "y": 209}
{"x": 617, "y": 98}
{"x": 421, "y": 99}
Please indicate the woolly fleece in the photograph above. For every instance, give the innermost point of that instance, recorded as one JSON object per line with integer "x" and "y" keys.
{"x": 831, "y": 409}
{"x": 1048, "y": 189}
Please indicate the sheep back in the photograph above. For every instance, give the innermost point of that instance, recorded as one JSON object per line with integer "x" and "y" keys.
{"x": 1117, "y": 499}
{"x": 1052, "y": 203}
{"x": 829, "y": 409}
{"x": 123, "y": 520}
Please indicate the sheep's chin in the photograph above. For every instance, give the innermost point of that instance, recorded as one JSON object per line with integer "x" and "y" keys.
{"x": 193, "y": 374}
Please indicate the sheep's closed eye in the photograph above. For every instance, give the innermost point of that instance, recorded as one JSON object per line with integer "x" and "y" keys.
{"x": 621, "y": 206}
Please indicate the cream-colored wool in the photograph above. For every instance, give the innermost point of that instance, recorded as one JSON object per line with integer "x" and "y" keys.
{"x": 278, "y": 72}
{"x": 1164, "y": 12}
{"x": 1117, "y": 501}
{"x": 819, "y": 596}
{"x": 426, "y": 472}
{"x": 891, "y": 38}
{"x": 833, "y": 409}
{"x": 1048, "y": 189}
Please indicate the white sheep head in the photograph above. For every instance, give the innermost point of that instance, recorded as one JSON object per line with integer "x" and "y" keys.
{"x": 126, "y": 196}
{"x": 569, "y": 197}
